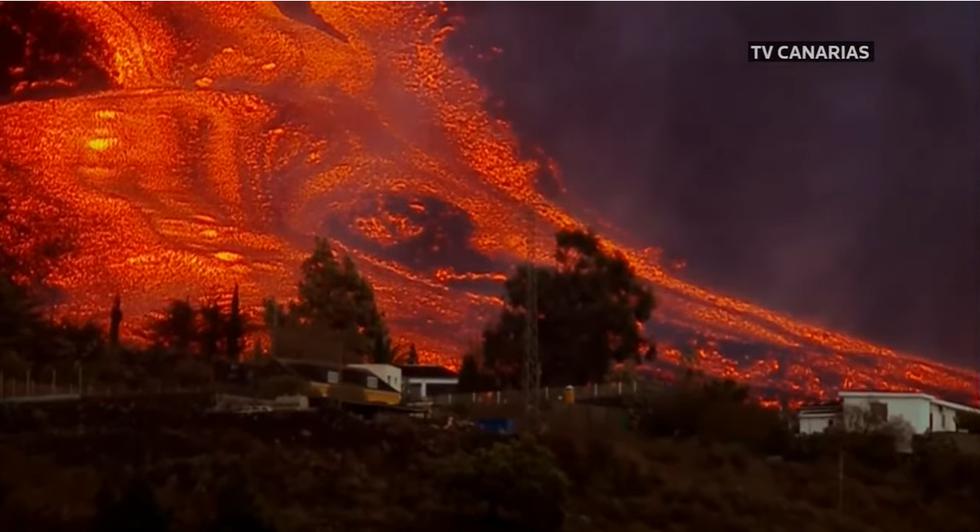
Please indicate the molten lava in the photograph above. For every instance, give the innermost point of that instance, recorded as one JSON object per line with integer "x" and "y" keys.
{"x": 227, "y": 135}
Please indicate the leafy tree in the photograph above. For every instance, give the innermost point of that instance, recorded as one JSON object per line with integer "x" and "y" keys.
{"x": 591, "y": 308}
{"x": 382, "y": 353}
{"x": 469, "y": 374}
{"x": 335, "y": 315}
{"x": 177, "y": 330}
{"x": 20, "y": 320}
{"x": 211, "y": 330}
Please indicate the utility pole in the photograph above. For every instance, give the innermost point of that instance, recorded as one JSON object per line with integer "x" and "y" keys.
{"x": 532, "y": 362}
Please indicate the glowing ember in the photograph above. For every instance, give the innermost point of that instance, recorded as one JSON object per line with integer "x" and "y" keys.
{"x": 232, "y": 133}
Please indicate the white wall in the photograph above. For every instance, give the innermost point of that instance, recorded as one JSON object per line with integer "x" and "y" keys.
{"x": 815, "y": 424}
{"x": 385, "y": 372}
{"x": 915, "y": 410}
{"x": 941, "y": 414}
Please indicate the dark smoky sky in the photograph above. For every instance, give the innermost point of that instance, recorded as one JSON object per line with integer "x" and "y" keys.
{"x": 843, "y": 194}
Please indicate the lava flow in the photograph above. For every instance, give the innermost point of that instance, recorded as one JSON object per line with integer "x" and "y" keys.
{"x": 218, "y": 138}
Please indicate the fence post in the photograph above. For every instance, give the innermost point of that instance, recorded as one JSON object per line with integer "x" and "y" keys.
{"x": 634, "y": 387}
{"x": 498, "y": 397}
{"x": 595, "y": 389}
{"x": 54, "y": 381}
{"x": 81, "y": 390}
{"x": 619, "y": 388}
{"x": 27, "y": 382}
{"x": 546, "y": 397}
{"x": 450, "y": 399}
{"x": 474, "y": 397}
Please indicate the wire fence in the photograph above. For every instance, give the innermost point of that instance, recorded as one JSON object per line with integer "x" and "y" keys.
{"x": 25, "y": 388}
{"x": 605, "y": 390}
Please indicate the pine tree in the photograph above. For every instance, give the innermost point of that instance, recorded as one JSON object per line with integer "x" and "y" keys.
{"x": 235, "y": 328}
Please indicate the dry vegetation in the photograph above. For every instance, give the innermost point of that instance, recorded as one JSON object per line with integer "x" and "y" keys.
{"x": 158, "y": 466}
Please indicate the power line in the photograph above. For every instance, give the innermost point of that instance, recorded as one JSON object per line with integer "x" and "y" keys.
{"x": 532, "y": 362}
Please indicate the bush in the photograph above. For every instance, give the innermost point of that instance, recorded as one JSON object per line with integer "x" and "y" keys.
{"x": 715, "y": 411}
{"x": 509, "y": 484}
{"x": 278, "y": 385}
{"x": 135, "y": 509}
{"x": 968, "y": 421}
{"x": 192, "y": 373}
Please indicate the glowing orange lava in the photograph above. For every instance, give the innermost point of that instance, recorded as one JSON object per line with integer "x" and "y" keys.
{"x": 232, "y": 133}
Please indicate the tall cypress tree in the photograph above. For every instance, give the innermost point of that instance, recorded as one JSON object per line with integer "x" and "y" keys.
{"x": 236, "y": 327}
{"x": 413, "y": 356}
{"x": 115, "y": 318}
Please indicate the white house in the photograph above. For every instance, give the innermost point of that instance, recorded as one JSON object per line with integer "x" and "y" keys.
{"x": 424, "y": 380}
{"x": 390, "y": 374}
{"x": 923, "y": 412}
{"x": 818, "y": 418}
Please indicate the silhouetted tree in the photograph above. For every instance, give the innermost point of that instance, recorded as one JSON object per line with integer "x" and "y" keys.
{"x": 335, "y": 315}
{"x": 20, "y": 319}
{"x": 469, "y": 375}
{"x": 591, "y": 308}
{"x": 235, "y": 328}
{"x": 177, "y": 330}
{"x": 115, "y": 319}
{"x": 211, "y": 330}
{"x": 413, "y": 356}
{"x": 382, "y": 352}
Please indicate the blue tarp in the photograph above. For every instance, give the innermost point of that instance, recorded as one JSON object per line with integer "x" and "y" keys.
{"x": 496, "y": 426}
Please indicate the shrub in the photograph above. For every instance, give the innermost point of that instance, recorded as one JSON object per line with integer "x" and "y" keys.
{"x": 968, "y": 421}
{"x": 509, "y": 484}
{"x": 716, "y": 411}
{"x": 277, "y": 385}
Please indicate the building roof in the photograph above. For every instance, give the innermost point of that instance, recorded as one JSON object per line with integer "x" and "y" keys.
{"x": 830, "y": 408}
{"x": 906, "y": 395}
{"x": 427, "y": 372}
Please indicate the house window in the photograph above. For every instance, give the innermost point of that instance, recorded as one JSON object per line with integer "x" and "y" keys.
{"x": 333, "y": 377}
{"x": 372, "y": 382}
{"x": 830, "y": 422}
{"x": 879, "y": 411}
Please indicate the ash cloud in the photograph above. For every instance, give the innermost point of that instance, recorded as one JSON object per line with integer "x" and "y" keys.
{"x": 843, "y": 194}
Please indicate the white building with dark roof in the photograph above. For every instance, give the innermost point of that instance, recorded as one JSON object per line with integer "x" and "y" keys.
{"x": 422, "y": 381}
{"x": 923, "y": 412}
